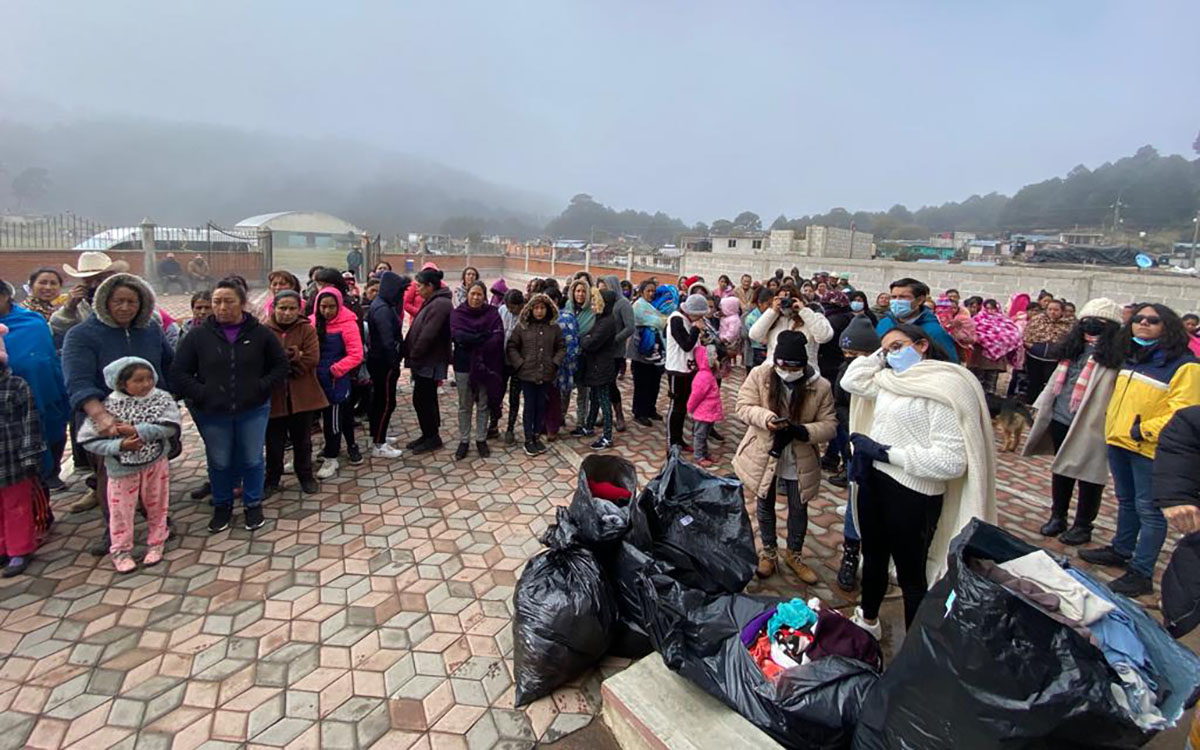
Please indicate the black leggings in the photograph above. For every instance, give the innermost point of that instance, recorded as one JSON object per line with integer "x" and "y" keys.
{"x": 680, "y": 389}
{"x": 1061, "y": 488}
{"x": 797, "y": 519}
{"x": 1037, "y": 372}
{"x": 383, "y": 400}
{"x": 895, "y": 523}
{"x": 647, "y": 380}
{"x": 337, "y": 421}
{"x": 299, "y": 428}
{"x": 425, "y": 403}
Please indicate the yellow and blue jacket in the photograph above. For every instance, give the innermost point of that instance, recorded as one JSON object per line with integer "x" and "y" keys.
{"x": 1149, "y": 390}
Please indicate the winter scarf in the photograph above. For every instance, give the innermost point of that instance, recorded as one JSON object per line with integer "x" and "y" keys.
{"x": 997, "y": 335}
{"x": 585, "y": 317}
{"x": 1081, "y": 383}
{"x": 974, "y": 493}
{"x": 487, "y": 359}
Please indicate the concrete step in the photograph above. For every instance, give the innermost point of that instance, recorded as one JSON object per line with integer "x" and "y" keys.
{"x": 649, "y": 707}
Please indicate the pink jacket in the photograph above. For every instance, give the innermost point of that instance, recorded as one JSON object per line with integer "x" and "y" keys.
{"x": 1194, "y": 344}
{"x": 413, "y": 299}
{"x": 705, "y": 402}
{"x": 345, "y": 323}
{"x": 731, "y": 321}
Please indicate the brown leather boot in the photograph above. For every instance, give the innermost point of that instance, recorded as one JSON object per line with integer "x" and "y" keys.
{"x": 766, "y": 563}
{"x": 802, "y": 571}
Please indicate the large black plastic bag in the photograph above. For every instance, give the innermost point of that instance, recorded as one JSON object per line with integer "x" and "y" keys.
{"x": 599, "y": 521}
{"x": 564, "y": 613}
{"x": 983, "y": 669}
{"x": 698, "y": 524}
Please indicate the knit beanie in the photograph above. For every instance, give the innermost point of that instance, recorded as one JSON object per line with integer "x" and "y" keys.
{"x": 859, "y": 336}
{"x": 1103, "y": 308}
{"x": 695, "y": 304}
{"x": 791, "y": 349}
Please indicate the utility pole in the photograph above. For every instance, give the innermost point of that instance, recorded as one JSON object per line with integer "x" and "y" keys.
{"x": 1195, "y": 237}
{"x": 1116, "y": 207}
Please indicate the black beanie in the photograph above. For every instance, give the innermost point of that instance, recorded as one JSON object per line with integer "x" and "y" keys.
{"x": 860, "y": 335}
{"x": 791, "y": 349}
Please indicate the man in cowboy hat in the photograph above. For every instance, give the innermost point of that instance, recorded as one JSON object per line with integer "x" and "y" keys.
{"x": 94, "y": 268}
{"x": 169, "y": 272}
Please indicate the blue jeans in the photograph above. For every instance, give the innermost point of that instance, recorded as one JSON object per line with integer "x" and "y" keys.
{"x": 233, "y": 445}
{"x": 1141, "y": 527}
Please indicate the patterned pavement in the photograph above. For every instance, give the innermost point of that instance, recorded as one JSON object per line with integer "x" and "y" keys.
{"x": 376, "y": 613}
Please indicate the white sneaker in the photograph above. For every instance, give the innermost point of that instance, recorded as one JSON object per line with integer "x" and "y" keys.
{"x": 841, "y": 510}
{"x": 328, "y": 469}
{"x": 875, "y": 630}
{"x": 384, "y": 450}
{"x": 289, "y": 467}
{"x": 394, "y": 438}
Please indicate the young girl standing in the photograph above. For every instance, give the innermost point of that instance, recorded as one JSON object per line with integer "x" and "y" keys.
{"x": 341, "y": 352}
{"x": 704, "y": 405}
{"x": 21, "y": 438}
{"x": 135, "y": 456}
{"x": 297, "y": 401}
{"x": 535, "y": 350}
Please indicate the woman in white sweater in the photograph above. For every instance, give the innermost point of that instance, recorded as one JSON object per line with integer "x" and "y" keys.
{"x": 920, "y": 430}
{"x": 788, "y": 313}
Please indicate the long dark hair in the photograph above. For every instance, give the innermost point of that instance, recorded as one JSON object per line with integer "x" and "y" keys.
{"x": 917, "y": 334}
{"x": 1109, "y": 351}
{"x": 1174, "y": 339}
{"x": 321, "y": 322}
{"x": 776, "y": 396}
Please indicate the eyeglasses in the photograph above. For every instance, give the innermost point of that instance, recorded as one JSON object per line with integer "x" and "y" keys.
{"x": 1150, "y": 320}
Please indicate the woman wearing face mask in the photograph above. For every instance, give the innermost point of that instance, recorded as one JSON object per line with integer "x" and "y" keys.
{"x": 859, "y": 307}
{"x": 1070, "y": 418}
{"x": 788, "y": 314}
{"x": 788, "y": 411}
{"x": 923, "y": 461}
{"x": 1160, "y": 377}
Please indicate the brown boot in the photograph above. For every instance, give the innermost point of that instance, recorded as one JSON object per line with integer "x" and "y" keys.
{"x": 766, "y": 563}
{"x": 85, "y": 503}
{"x": 802, "y": 571}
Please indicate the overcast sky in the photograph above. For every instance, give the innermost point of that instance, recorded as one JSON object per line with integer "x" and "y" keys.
{"x": 700, "y": 109}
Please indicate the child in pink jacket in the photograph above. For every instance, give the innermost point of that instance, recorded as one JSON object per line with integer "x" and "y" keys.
{"x": 704, "y": 405}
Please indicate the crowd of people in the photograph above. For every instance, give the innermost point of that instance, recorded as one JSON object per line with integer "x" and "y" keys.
{"x": 890, "y": 394}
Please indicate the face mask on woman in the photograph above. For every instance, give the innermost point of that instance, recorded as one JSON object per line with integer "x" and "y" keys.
{"x": 1144, "y": 342}
{"x": 789, "y": 376}
{"x": 856, "y": 306}
{"x": 903, "y": 359}
{"x": 1092, "y": 326}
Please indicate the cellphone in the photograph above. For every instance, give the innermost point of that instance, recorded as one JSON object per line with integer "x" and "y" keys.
{"x": 779, "y": 420}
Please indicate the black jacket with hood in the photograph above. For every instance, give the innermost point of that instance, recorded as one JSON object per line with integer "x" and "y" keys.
{"x": 219, "y": 377}
{"x": 385, "y": 350}
{"x": 600, "y": 345}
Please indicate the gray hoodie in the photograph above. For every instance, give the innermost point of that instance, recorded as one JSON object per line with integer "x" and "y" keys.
{"x": 623, "y": 312}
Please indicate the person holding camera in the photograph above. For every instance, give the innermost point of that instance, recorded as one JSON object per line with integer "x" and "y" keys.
{"x": 788, "y": 313}
{"x": 788, "y": 411}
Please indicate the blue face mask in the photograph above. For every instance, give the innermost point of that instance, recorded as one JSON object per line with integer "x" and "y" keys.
{"x": 900, "y": 307}
{"x": 1144, "y": 342}
{"x": 903, "y": 359}
{"x": 856, "y": 305}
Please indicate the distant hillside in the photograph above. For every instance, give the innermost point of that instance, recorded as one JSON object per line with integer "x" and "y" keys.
{"x": 120, "y": 171}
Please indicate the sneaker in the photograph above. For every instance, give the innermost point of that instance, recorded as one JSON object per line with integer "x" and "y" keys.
{"x": 643, "y": 421}
{"x": 581, "y": 432}
{"x": 154, "y": 556}
{"x": 85, "y": 503}
{"x": 539, "y": 446}
{"x": 202, "y": 491}
{"x": 619, "y": 423}
{"x": 460, "y": 453}
{"x": 309, "y": 486}
{"x": 428, "y": 446}
{"x": 55, "y": 484}
{"x": 510, "y": 438}
{"x": 840, "y": 480}
{"x": 482, "y": 447}
{"x": 355, "y": 455}
{"x": 254, "y": 518}
{"x": 329, "y": 469}
{"x": 530, "y": 448}
{"x": 16, "y": 565}
{"x": 1076, "y": 535}
{"x": 123, "y": 563}
{"x": 220, "y": 518}
{"x": 847, "y": 577}
{"x": 412, "y": 444}
{"x": 493, "y": 433}
{"x": 1132, "y": 585}
{"x": 791, "y": 558}
{"x": 1055, "y": 526}
{"x": 875, "y": 630}
{"x": 766, "y": 563}
{"x": 656, "y": 417}
{"x": 386, "y": 451}
{"x": 601, "y": 444}
{"x": 1104, "y": 556}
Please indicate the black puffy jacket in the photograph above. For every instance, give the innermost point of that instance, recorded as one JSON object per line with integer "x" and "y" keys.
{"x": 219, "y": 377}
{"x": 600, "y": 345}
{"x": 1177, "y": 460}
{"x": 386, "y": 346}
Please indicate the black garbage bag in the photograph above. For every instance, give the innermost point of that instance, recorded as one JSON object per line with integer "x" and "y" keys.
{"x": 564, "y": 614}
{"x": 698, "y": 523}
{"x": 599, "y": 521}
{"x": 981, "y": 668}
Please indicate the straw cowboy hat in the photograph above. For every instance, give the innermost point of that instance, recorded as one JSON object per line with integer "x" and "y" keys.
{"x": 92, "y": 263}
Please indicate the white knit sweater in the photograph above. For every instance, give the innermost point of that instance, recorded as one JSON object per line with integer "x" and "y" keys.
{"x": 926, "y": 442}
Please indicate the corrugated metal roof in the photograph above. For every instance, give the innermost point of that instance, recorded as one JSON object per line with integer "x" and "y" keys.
{"x": 262, "y": 219}
{"x": 109, "y": 238}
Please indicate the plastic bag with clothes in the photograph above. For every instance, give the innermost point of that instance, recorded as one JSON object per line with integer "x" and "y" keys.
{"x": 600, "y": 521}
{"x": 984, "y": 668}
{"x": 564, "y": 612}
{"x": 697, "y": 522}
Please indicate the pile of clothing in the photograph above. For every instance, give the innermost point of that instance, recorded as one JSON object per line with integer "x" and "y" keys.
{"x": 795, "y": 633}
{"x": 1068, "y": 597}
